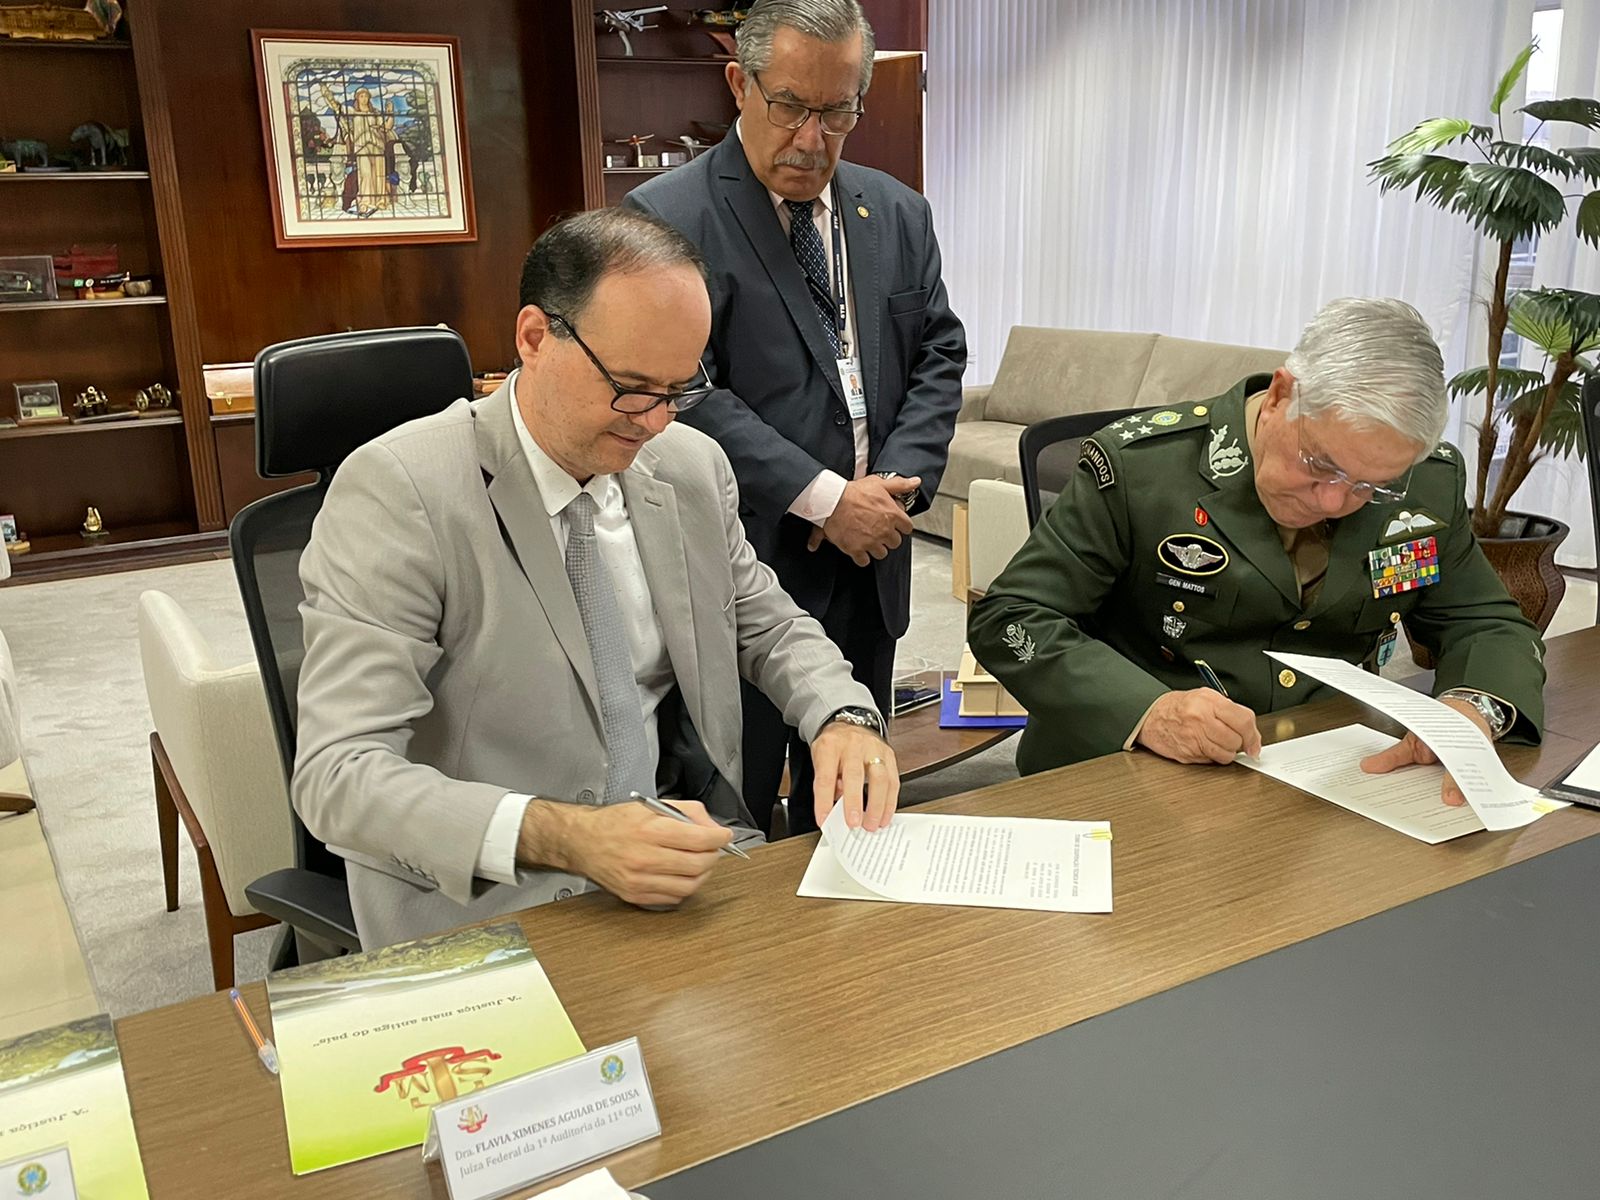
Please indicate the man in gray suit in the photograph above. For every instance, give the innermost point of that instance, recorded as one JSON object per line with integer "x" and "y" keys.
{"x": 836, "y": 357}
{"x": 525, "y": 608}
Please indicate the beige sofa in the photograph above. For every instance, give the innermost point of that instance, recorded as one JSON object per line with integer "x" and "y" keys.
{"x": 1049, "y": 372}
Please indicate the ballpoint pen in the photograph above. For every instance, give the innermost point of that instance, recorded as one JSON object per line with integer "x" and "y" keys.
{"x": 1210, "y": 676}
{"x": 677, "y": 814}
{"x": 265, "y": 1050}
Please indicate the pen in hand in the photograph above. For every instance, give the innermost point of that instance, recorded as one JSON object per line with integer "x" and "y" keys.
{"x": 265, "y": 1050}
{"x": 1210, "y": 676}
{"x": 677, "y": 814}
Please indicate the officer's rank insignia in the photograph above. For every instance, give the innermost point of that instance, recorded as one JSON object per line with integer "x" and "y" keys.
{"x": 1020, "y": 644}
{"x": 1094, "y": 454}
{"x": 1166, "y": 417}
{"x": 1192, "y": 554}
{"x": 1404, "y": 567}
{"x": 1406, "y": 522}
{"x": 1224, "y": 457}
{"x": 1173, "y": 626}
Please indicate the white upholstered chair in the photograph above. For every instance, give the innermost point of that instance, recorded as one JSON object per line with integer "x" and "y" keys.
{"x": 216, "y": 767}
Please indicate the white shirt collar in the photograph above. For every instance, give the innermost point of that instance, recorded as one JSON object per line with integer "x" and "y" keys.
{"x": 557, "y": 489}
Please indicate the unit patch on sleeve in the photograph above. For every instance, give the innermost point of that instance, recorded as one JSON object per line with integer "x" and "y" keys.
{"x": 1099, "y": 461}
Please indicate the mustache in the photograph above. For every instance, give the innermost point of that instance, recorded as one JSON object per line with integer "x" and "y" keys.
{"x": 807, "y": 160}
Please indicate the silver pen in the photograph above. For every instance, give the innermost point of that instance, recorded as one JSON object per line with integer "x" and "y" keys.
{"x": 677, "y": 814}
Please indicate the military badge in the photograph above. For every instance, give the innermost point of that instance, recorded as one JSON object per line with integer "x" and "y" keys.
{"x": 1224, "y": 457}
{"x": 1406, "y": 523}
{"x": 1094, "y": 454}
{"x": 1019, "y": 643}
{"x": 1192, "y": 554}
{"x": 1201, "y": 517}
{"x": 1173, "y": 626}
{"x": 1404, "y": 567}
{"x": 1167, "y": 417}
{"x": 1386, "y": 648}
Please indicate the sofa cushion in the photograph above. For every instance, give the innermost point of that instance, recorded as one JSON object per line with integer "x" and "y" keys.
{"x": 981, "y": 450}
{"x": 1183, "y": 370}
{"x": 1048, "y": 372}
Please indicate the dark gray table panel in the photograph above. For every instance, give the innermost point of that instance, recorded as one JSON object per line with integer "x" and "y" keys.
{"x": 1446, "y": 1048}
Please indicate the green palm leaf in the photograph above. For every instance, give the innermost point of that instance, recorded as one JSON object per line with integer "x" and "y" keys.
{"x": 1435, "y": 175}
{"x": 1535, "y": 158}
{"x": 1508, "y": 81}
{"x": 1563, "y": 427}
{"x": 1557, "y": 320}
{"x": 1589, "y": 218}
{"x": 1435, "y": 132}
{"x": 1586, "y": 159}
{"x": 1506, "y": 202}
{"x": 1578, "y": 110}
{"x": 1509, "y": 379}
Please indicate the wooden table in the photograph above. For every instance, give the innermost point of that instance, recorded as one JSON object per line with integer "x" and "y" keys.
{"x": 759, "y": 1011}
{"x": 922, "y": 747}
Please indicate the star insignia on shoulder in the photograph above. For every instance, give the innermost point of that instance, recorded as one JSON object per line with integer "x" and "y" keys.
{"x": 1142, "y": 430}
{"x": 1127, "y": 435}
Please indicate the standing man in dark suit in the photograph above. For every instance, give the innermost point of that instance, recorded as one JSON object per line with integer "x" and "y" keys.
{"x": 836, "y": 358}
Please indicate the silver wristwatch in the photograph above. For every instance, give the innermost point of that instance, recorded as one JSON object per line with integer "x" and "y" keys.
{"x": 863, "y": 717}
{"x": 1493, "y": 711}
{"x": 907, "y": 499}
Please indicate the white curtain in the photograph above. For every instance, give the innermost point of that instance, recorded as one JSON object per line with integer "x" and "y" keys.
{"x": 1195, "y": 167}
{"x": 1560, "y": 487}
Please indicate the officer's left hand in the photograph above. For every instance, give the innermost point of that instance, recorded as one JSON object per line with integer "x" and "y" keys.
{"x": 857, "y": 767}
{"x": 1412, "y": 749}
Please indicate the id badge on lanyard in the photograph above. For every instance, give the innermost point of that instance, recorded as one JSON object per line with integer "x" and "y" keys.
{"x": 848, "y": 363}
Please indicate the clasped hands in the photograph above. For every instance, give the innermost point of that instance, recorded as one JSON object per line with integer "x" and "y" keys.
{"x": 1202, "y": 725}
{"x": 870, "y": 519}
{"x": 653, "y": 861}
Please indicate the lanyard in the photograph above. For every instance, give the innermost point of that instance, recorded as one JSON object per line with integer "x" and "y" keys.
{"x": 838, "y": 296}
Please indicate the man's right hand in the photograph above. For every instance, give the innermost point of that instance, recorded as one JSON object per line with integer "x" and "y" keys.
{"x": 1199, "y": 726}
{"x": 869, "y": 520}
{"x": 635, "y": 854}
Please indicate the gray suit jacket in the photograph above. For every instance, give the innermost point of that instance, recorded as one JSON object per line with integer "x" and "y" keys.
{"x": 779, "y": 410}
{"x": 446, "y": 663}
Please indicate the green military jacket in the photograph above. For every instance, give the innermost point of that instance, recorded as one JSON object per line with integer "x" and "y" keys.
{"x": 1159, "y": 553}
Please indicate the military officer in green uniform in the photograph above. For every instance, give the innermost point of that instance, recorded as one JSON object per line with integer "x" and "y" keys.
{"x": 1310, "y": 511}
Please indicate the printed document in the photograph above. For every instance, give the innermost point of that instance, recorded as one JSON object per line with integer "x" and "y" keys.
{"x": 987, "y": 862}
{"x": 1498, "y": 799}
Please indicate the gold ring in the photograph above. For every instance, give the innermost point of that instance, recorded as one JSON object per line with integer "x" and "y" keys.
{"x": 874, "y": 762}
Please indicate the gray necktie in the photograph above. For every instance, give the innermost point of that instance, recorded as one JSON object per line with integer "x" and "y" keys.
{"x": 621, "y": 717}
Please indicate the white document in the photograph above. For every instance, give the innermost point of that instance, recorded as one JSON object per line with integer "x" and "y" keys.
{"x": 1498, "y": 799}
{"x": 1329, "y": 765}
{"x": 1586, "y": 775}
{"x": 596, "y": 1185}
{"x": 986, "y": 862}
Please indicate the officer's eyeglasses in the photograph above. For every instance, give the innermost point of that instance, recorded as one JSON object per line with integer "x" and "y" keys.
{"x": 638, "y": 401}
{"x": 788, "y": 114}
{"x": 1323, "y": 471}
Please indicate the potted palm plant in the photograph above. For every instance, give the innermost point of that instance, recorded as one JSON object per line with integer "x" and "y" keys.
{"x": 1511, "y": 190}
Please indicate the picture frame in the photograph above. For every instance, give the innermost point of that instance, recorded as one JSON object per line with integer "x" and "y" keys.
{"x": 8, "y": 528}
{"x": 365, "y": 137}
{"x": 39, "y": 401}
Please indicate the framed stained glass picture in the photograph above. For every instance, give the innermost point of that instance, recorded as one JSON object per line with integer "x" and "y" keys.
{"x": 365, "y": 137}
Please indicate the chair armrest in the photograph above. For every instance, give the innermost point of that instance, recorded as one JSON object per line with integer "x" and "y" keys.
{"x": 973, "y": 401}
{"x": 317, "y": 905}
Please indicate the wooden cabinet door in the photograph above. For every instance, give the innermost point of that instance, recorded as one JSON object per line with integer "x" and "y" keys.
{"x": 889, "y": 137}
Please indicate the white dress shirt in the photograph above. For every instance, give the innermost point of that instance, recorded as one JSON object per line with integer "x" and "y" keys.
{"x": 821, "y": 496}
{"x": 647, "y": 646}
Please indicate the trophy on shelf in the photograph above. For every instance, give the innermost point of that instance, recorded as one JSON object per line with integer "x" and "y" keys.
{"x": 624, "y": 21}
{"x": 93, "y": 526}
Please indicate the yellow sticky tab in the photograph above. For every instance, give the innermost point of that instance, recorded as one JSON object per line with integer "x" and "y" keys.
{"x": 1099, "y": 835}
{"x": 1543, "y": 806}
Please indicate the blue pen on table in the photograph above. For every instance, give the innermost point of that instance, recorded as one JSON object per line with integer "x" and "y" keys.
{"x": 265, "y": 1050}
{"x": 1210, "y": 676}
{"x": 677, "y": 814}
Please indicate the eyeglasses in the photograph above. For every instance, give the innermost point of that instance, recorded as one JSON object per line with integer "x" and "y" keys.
{"x": 638, "y": 401}
{"x": 1323, "y": 471}
{"x": 787, "y": 114}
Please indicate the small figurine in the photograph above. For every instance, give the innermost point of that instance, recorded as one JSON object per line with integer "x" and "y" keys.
{"x": 104, "y": 146}
{"x": 719, "y": 24}
{"x": 91, "y": 402}
{"x": 22, "y": 151}
{"x": 623, "y": 21}
{"x": 693, "y": 145}
{"x": 152, "y": 398}
{"x": 93, "y": 526}
{"x": 637, "y": 141}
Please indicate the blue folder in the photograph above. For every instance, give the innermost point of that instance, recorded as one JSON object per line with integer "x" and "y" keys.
{"x": 950, "y": 714}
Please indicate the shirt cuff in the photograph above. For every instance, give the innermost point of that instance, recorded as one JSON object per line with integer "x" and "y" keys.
{"x": 497, "y": 857}
{"x": 821, "y": 497}
{"x": 1139, "y": 726}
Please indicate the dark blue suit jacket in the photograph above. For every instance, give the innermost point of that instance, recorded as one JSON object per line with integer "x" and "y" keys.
{"x": 778, "y": 410}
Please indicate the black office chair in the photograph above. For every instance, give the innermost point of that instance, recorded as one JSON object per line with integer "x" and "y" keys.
{"x": 1589, "y": 402}
{"x": 1049, "y": 452}
{"x": 317, "y": 399}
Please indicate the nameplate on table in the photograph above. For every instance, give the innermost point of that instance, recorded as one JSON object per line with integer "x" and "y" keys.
{"x": 34, "y": 1174}
{"x": 537, "y": 1125}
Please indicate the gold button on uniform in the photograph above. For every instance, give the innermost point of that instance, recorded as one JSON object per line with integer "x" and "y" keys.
{"x": 1394, "y": 618}
{"x": 1177, "y": 606}
{"x": 1302, "y": 625}
{"x": 1286, "y": 677}
{"x": 1200, "y": 410}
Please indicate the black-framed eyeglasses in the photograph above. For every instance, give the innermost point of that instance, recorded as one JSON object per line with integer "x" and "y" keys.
{"x": 638, "y": 401}
{"x": 789, "y": 114}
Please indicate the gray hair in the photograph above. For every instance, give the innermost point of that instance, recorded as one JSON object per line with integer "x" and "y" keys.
{"x": 1373, "y": 362}
{"x": 825, "y": 20}
{"x": 570, "y": 258}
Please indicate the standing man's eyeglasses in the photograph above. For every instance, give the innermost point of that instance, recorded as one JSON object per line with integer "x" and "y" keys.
{"x": 790, "y": 114}
{"x": 638, "y": 401}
